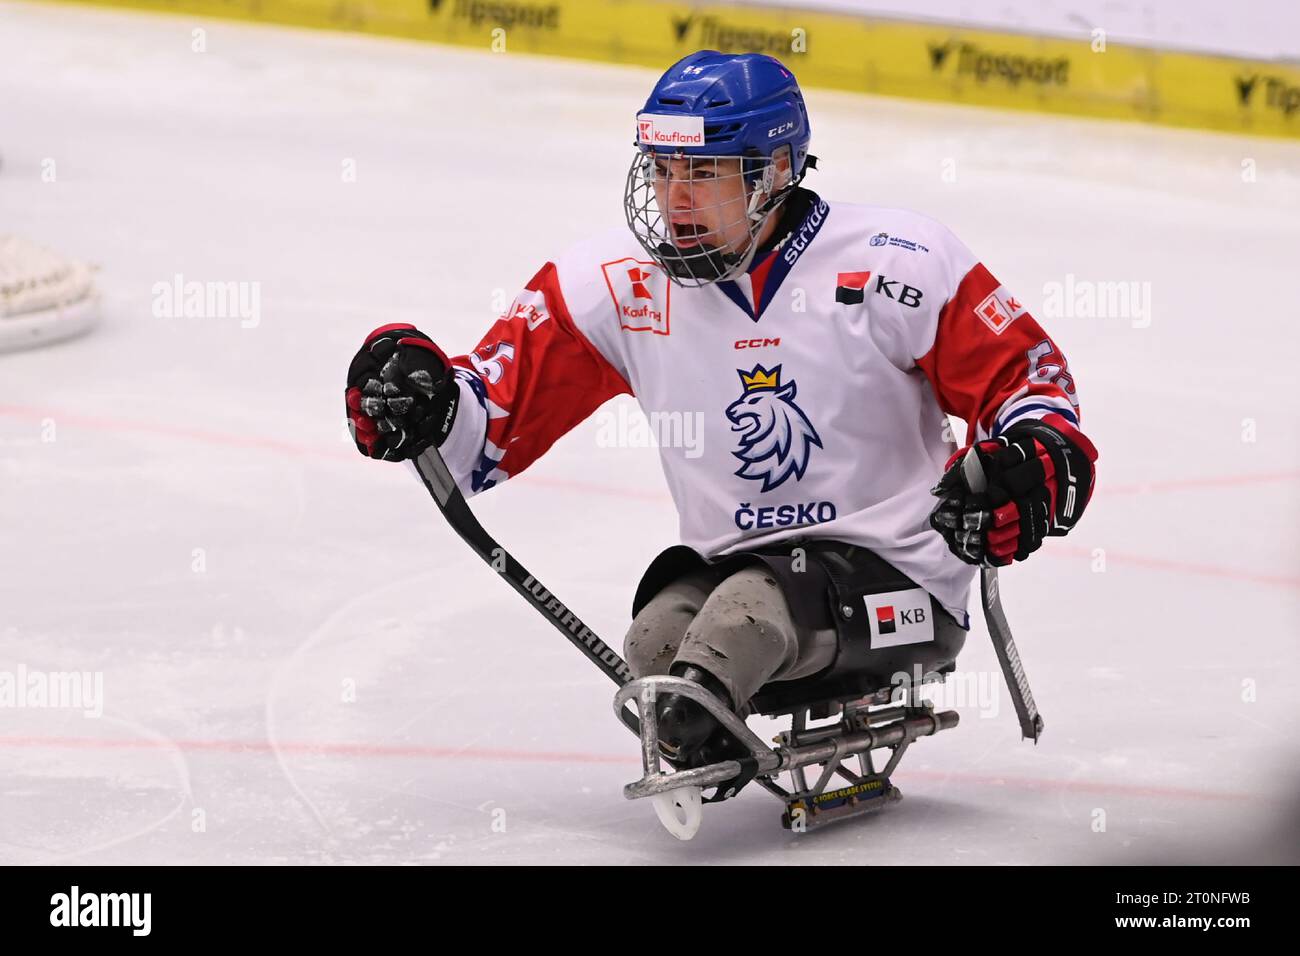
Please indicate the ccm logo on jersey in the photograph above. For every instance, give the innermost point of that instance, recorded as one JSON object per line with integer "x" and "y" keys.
{"x": 999, "y": 310}
{"x": 637, "y": 288}
{"x": 899, "y": 617}
{"x": 850, "y": 289}
{"x": 756, "y": 343}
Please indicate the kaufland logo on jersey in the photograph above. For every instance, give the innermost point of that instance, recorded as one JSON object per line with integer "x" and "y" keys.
{"x": 641, "y": 293}
{"x": 999, "y": 309}
{"x": 658, "y": 129}
{"x": 529, "y": 305}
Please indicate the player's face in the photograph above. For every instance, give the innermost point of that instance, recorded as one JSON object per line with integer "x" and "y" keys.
{"x": 703, "y": 202}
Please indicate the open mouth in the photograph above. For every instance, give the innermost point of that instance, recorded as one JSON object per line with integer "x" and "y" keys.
{"x": 688, "y": 233}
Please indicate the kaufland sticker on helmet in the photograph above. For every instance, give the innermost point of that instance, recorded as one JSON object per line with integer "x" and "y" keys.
{"x": 659, "y": 129}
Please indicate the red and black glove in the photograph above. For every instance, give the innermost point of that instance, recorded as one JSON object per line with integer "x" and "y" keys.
{"x": 1040, "y": 475}
{"x": 401, "y": 394}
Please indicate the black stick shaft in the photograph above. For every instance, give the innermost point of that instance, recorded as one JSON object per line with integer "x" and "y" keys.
{"x": 1004, "y": 645}
{"x": 442, "y": 487}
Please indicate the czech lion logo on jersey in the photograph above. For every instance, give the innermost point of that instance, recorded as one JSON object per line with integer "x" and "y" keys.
{"x": 776, "y": 437}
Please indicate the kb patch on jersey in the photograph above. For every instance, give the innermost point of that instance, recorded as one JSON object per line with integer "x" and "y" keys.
{"x": 900, "y": 617}
{"x": 851, "y": 287}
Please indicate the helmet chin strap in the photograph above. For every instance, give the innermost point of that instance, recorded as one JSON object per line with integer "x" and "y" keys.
{"x": 710, "y": 264}
{"x": 761, "y": 209}
{"x": 762, "y": 187}
{"x": 758, "y": 211}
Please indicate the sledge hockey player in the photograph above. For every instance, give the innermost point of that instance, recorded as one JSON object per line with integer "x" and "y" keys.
{"x": 823, "y": 344}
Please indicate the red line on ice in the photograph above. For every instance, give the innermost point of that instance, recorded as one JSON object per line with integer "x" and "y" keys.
{"x": 293, "y": 449}
{"x": 1180, "y": 484}
{"x": 309, "y": 748}
{"x": 300, "y": 449}
{"x": 29, "y": 413}
{"x": 1188, "y": 567}
{"x": 541, "y": 756}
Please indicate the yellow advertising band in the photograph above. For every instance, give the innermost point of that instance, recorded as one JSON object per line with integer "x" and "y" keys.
{"x": 932, "y": 61}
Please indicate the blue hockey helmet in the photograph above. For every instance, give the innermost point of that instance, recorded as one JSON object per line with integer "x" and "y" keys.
{"x": 708, "y": 110}
{"x": 749, "y": 103}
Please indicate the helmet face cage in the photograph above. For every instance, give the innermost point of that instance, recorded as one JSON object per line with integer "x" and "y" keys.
{"x": 699, "y": 216}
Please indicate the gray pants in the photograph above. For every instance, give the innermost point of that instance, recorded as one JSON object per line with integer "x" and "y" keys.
{"x": 740, "y": 631}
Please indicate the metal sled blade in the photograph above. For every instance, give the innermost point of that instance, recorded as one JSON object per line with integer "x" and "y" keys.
{"x": 644, "y": 693}
{"x": 809, "y": 812}
{"x": 864, "y": 726}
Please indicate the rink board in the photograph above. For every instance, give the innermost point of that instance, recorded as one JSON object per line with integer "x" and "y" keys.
{"x": 1088, "y": 76}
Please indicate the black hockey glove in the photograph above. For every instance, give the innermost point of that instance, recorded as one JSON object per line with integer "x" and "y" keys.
{"x": 1040, "y": 477}
{"x": 401, "y": 394}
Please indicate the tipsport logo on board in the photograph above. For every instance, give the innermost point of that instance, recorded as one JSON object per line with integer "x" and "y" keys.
{"x": 983, "y": 65}
{"x": 709, "y": 32}
{"x": 1269, "y": 92}
{"x": 499, "y": 13}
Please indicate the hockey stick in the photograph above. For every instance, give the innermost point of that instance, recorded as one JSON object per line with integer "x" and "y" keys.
{"x": 438, "y": 480}
{"x": 1004, "y": 645}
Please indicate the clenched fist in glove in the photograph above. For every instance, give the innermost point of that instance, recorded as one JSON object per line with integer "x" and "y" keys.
{"x": 1039, "y": 481}
{"x": 401, "y": 394}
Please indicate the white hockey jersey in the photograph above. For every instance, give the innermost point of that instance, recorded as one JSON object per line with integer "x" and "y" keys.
{"x": 821, "y": 381}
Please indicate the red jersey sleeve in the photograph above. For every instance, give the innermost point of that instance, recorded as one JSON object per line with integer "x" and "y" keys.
{"x": 991, "y": 362}
{"x": 531, "y": 378}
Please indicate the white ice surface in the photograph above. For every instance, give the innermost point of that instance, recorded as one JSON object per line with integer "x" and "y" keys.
{"x": 224, "y": 687}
